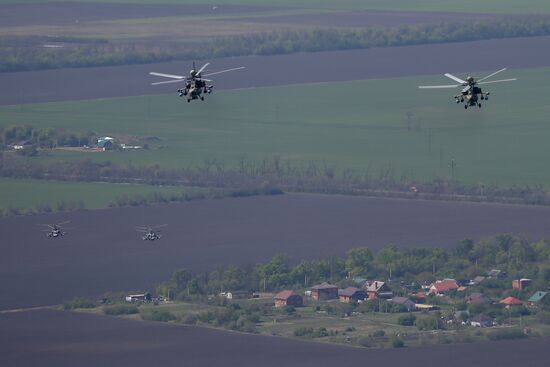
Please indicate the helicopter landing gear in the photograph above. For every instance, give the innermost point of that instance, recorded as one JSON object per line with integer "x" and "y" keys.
{"x": 202, "y": 98}
{"x": 465, "y": 106}
{"x": 188, "y": 100}
{"x": 479, "y": 105}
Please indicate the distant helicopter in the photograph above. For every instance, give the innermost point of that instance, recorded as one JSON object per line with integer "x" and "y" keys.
{"x": 471, "y": 94}
{"x": 151, "y": 233}
{"x": 195, "y": 83}
{"x": 55, "y": 230}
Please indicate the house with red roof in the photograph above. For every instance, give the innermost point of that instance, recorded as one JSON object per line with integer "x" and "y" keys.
{"x": 441, "y": 287}
{"x": 324, "y": 291}
{"x": 511, "y": 301}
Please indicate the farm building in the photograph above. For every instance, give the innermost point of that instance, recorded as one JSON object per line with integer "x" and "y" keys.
{"x": 379, "y": 289}
{"x": 288, "y": 298}
{"x": 351, "y": 294}
{"x": 405, "y": 302}
{"x": 482, "y": 320}
{"x": 324, "y": 291}
{"x": 145, "y": 297}
{"x": 105, "y": 143}
{"x": 441, "y": 287}
{"x": 536, "y": 299}
{"x": 521, "y": 284}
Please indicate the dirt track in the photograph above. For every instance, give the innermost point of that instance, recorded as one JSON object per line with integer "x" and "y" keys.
{"x": 65, "y": 339}
{"x": 74, "y": 84}
{"x": 104, "y": 252}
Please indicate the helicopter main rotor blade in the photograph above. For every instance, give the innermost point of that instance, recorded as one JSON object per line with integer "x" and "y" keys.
{"x": 169, "y": 82}
{"x": 65, "y": 222}
{"x": 172, "y": 76}
{"x": 498, "y": 81}
{"x": 456, "y": 79}
{"x": 490, "y": 75}
{"x": 203, "y": 67}
{"x": 224, "y": 71}
{"x": 439, "y": 86}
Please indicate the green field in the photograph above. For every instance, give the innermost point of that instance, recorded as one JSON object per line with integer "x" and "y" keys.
{"x": 487, "y": 6}
{"x": 28, "y": 194}
{"x": 360, "y": 125}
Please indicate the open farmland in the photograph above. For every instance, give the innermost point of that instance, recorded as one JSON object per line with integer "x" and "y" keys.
{"x": 29, "y": 194}
{"x": 358, "y": 125}
{"x": 474, "y": 6}
{"x": 104, "y": 253}
{"x": 64, "y": 339}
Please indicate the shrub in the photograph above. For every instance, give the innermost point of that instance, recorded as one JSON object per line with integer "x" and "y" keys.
{"x": 365, "y": 341}
{"x": 190, "y": 319}
{"x": 378, "y": 333}
{"x": 397, "y": 342}
{"x": 429, "y": 323}
{"x": 120, "y": 309}
{"x": 505, "y": 334}
{"x": 78, "y": 302}
{"x": 407, "y": 320}
{"x": 158, "y": 315}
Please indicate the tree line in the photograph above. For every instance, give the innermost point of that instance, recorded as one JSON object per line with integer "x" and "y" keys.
{"x": 22, "y": 53}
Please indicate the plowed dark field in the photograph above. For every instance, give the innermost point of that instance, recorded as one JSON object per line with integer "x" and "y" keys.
{"x": 105, "y": 82}
{"x": 54, "y": 338}
{"x": 103, "y": 252}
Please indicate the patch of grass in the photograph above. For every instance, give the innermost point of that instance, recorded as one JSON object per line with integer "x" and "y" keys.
{"x": 78, "y": 302}
{"x": 33, "y": 194}
{"x": 120, "y": 309}
{"x": 358, "y": 125}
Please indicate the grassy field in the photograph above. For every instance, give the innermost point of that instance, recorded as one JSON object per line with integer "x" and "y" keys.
{"x": 24, "y": 194}
{"x": 488, "y": 6}
{"x": 360, "y": 125}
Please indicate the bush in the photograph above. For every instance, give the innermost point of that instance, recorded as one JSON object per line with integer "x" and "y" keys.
{"x": 378, "y": 333}
{"x": 78, "y": 302}
{"x": 120, "y": 309}
{"x": 503, "y": 334}
{"x": 309, "y": 332}
{"x": 429, "y": 323}
{"x": 190, "y": 319}
{"x": 158, "y": 315}
{"x": 397, "y": 342}
{"x": 365, "y": 341}
{"x": 407, "y": 320}
{"x": 544, "y": 317}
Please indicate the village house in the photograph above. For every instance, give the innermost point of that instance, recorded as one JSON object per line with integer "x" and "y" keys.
{"x": 511, "y": 301}
{"x": 405, "y": 302}
{"x": 477, "y": 299}
{"x": 351, "y": 295}
{"x": 288, "y": 298}
{"x": 441, "y": 287}
{"x": 144, "y": 297}
{"x": 536, "y": 299}
{"x": 378, "y": 289}
{"x": 324, "y": 291}
{"x": 521, "y": 284}
{"x": 482, "y": 320}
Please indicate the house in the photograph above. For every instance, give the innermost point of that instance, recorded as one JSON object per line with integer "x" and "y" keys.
{"x": 324, "y": 291}
{"x": 351, "y": 295}
{"x": 444, "y": 286}
{"x": 477, "y": 299}
{"x": 288, "y": 298}
{"x": 405, "y": 302}
{"x": 105, "y": 143}
{"x": 496, "y": 273}
{"x": 419, "y": 297}
{"x": 521, "y": 284}
{"x": 511, "y": 301}
{"x": 378, "y": 289}
{"x": 537, "y": 298}
{"x": 482, "y": 320}
{"x": 145, "y": 297}
{"x": 477, "y": 280}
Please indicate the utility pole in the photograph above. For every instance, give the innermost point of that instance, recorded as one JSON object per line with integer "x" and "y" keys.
{"x": 452, "y": 166}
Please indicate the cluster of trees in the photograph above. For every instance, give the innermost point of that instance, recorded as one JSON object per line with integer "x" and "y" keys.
{"x": 27, "y": 53}
{"x": 59, "y": 206}
{"x": 271, "y": 176}
{"x": 414, "y": 266}
{"x": 43, "y": 138}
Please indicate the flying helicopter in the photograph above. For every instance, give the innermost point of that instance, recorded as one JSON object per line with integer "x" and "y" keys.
{"x": 151, "y": 233}
{"x": 471, "y": 95}
{"x": 196, "y": 86}
{"x": 55, "y": 230}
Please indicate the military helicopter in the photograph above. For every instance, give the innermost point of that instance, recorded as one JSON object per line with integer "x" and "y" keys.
{"x": 151, "y": 233}
{"x": 55, "y": 230}
{"x": 195, "y": 84}
{"x": 471, "y": 95}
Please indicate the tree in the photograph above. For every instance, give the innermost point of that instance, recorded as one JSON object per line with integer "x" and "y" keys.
{"x": 180, "y": 278}
{"x": 359, "y": 261}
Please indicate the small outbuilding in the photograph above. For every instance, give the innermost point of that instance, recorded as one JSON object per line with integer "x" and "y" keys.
{"x": 444, "y": 286}
{"x": 537, "y": 298}
{"x": 288, "y": 298}
{"x": 404, "y": 302}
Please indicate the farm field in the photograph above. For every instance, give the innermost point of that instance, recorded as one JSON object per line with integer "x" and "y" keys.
{"x": 359, "y": 125}
{"x": 30, "y": 194}
{"x": 501, "y": 6}
{"x": 104, "y": 253}
{"x": 65, "y": 339}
